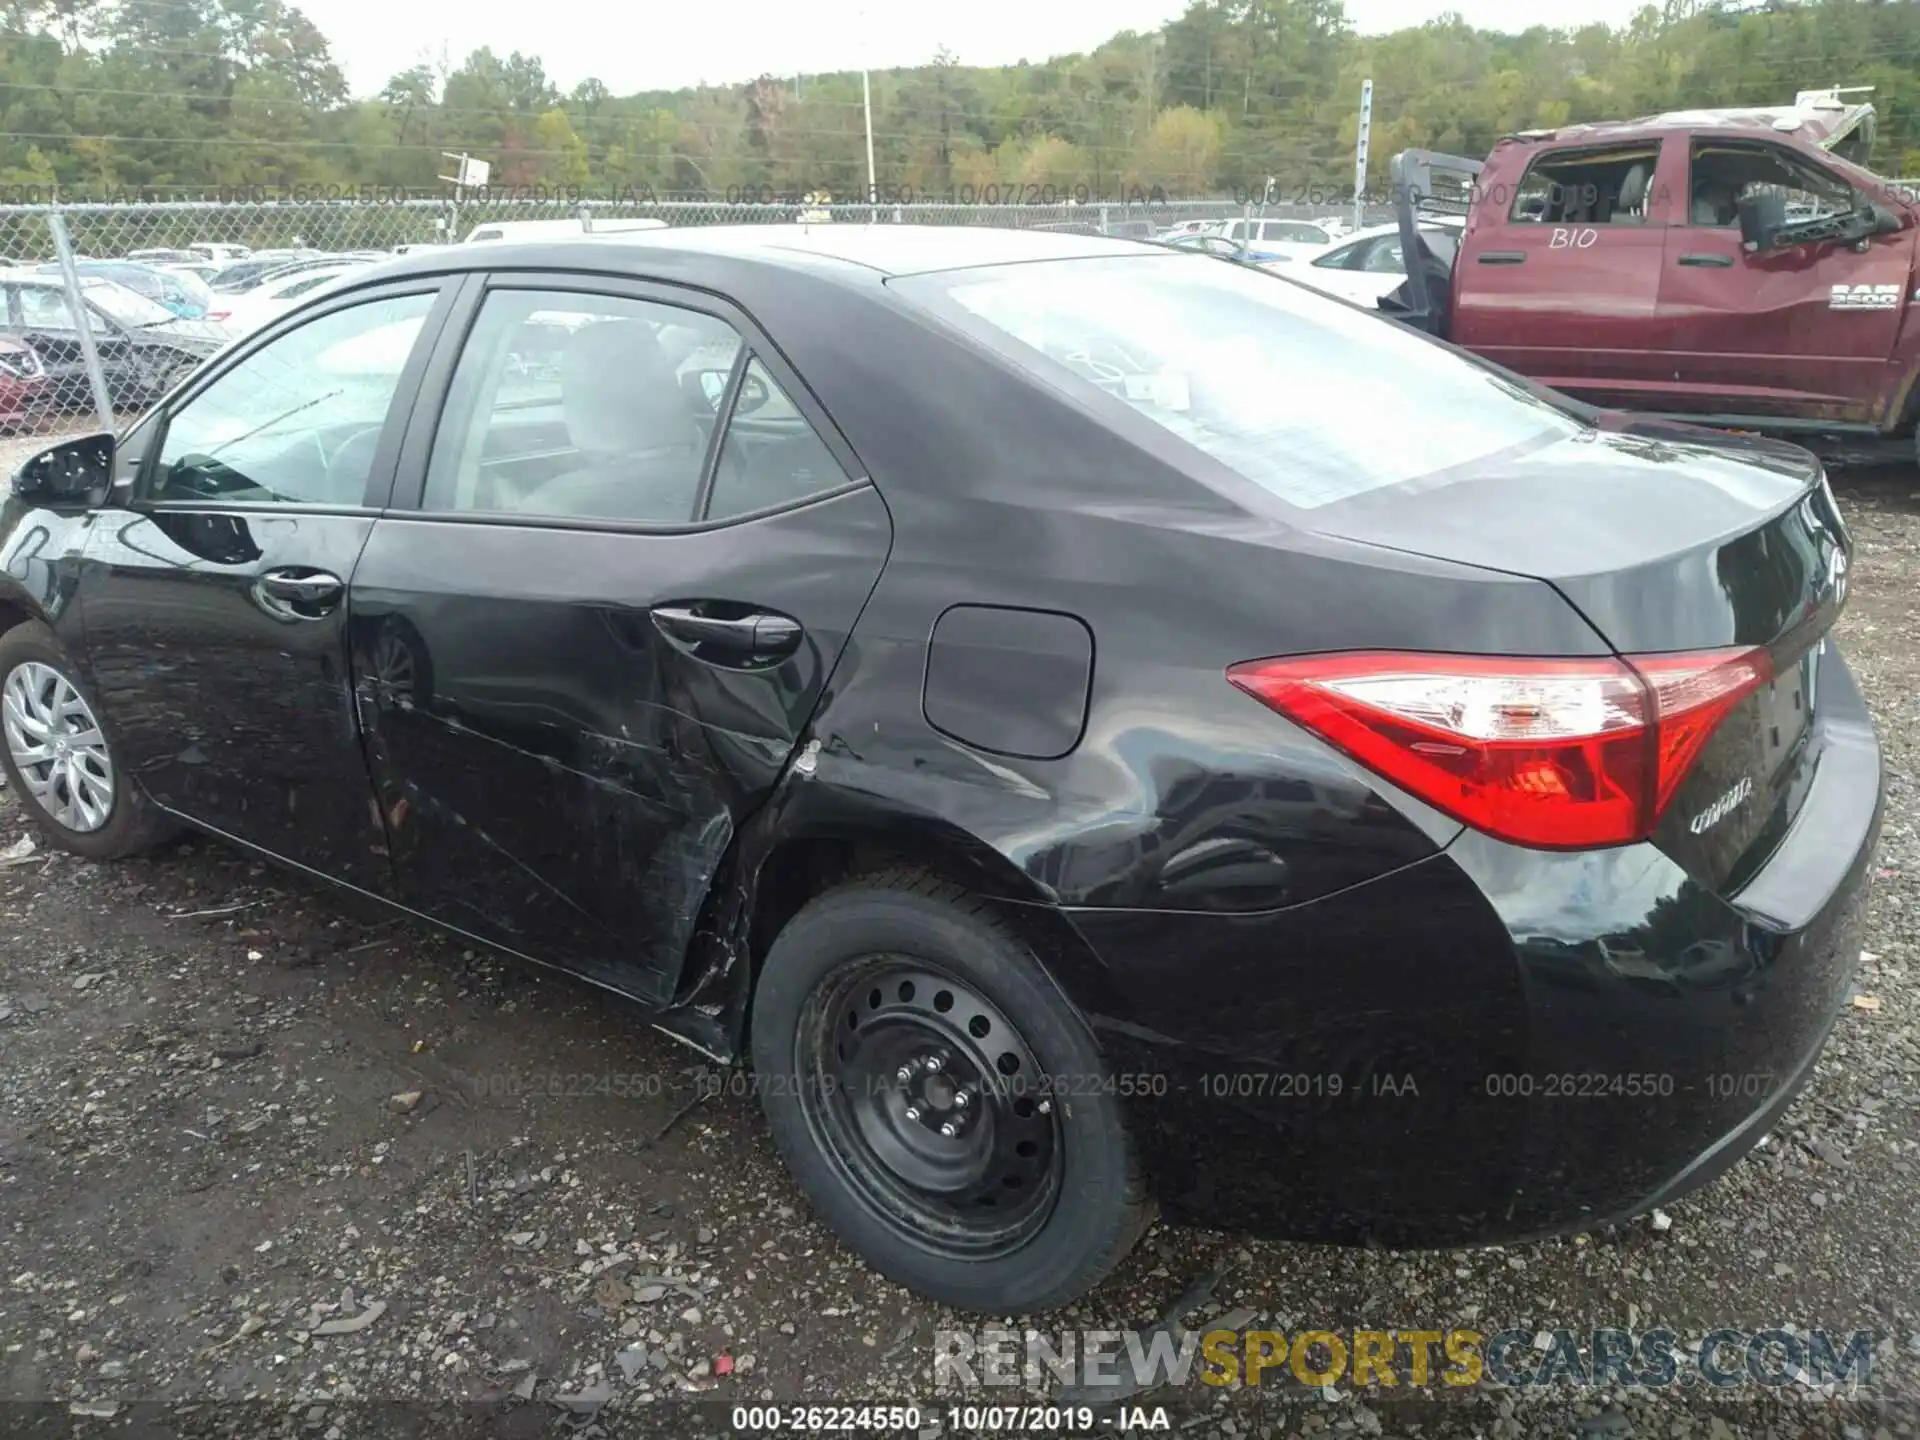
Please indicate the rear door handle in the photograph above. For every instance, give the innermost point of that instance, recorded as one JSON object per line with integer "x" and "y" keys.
{"x": 759, "y": 634}
{"x": 1503, "y": 257}
{"x": 1723, "y": 262}
{"x": 299, "y": 594}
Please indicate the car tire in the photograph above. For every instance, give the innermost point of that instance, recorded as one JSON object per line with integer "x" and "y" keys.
{"x": 861, "y": 994}
{"x": 114, "y": 817}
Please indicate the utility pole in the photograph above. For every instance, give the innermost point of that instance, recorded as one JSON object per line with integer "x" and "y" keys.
{"x": 1360, "y": 154}
{"x": 873, "y": 187}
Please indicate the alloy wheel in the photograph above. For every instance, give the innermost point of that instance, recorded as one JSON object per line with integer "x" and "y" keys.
{"x": 931, "y": 1106}
{"x": 57, "y": 746}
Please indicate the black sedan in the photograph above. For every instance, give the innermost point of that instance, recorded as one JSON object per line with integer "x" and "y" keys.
{"x": 1100, "y": 731}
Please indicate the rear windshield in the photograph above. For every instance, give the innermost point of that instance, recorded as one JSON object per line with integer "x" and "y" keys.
{"x": 1312, "y": 399}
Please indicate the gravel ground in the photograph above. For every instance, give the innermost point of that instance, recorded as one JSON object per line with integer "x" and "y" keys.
{"x": 267, "y": 1162}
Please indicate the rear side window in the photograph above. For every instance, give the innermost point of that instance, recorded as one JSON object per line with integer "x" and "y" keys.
{"x": 771, "y": 455}
{"x": 1608, "y": 186}
{"x": 1274, "y": 380}
{"x": 580, "y": 407}
{"x": 567, "y": 406}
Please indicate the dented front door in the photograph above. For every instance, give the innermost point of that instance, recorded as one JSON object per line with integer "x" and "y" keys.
{"x": 568, "y": 717}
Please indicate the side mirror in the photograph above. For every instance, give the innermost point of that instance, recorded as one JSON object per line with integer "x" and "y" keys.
{"x": 1763, "y": 214}
{"x": 74, "y": 472}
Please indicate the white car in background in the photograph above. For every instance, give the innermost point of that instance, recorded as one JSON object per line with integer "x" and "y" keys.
{"x": 275, "y": 296}
{"x": 1367, "y": 266}
{"x": 1270, "y": 241}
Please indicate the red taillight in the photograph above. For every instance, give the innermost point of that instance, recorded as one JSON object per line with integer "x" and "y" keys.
{"x": 1555, "y": 754}
{"x": 217, "y": 316}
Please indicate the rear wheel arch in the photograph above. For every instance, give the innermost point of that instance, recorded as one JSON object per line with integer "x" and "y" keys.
{"x": 770, "y": 880}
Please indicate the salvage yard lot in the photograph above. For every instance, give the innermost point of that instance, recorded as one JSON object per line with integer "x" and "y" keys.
{"x": 257, "y": 1146}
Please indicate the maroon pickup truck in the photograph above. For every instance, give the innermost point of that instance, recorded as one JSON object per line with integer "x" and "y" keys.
{"x": 1738, "y": 268}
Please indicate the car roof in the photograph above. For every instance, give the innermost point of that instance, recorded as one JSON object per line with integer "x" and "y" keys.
{"x": 880, "y": 250}
{"x": 19, "y": 275}
{"x": 1815, "y": 118}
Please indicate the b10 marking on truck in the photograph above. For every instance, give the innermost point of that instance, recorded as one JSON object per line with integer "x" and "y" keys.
{"x": 1865, "y": 297}
{"x": 1565, "y": 239}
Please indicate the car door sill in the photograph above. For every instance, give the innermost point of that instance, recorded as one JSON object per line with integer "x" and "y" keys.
{"x": 660, "y": 1016}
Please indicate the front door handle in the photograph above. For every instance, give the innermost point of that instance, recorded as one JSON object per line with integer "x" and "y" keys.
{"x": 756, "y": 635}
{"x": 1503, "y": 257}
{"x": 1722, "y": 262}
{"x": 299, "y": 594}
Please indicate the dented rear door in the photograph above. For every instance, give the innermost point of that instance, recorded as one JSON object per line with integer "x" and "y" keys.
{"x": 568, "y": 718}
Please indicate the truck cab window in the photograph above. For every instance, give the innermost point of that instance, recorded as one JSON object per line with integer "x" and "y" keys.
{"x": 1587, "y": 187}
{"x": 1722, "y": 171}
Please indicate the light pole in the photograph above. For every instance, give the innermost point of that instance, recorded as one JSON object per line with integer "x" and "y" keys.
{"x": 873, "y": 188}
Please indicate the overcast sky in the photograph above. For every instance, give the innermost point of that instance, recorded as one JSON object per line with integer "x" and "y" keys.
{"x": 662, "y": 46}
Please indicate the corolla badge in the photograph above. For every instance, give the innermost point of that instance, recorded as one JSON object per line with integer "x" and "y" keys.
{"x": 1723, "y": 807}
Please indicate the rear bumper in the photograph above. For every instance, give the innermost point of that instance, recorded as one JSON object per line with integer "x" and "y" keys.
{"x": 1490, "y": 1044}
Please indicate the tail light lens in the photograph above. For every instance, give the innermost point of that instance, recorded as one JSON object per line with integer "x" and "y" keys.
{"x": 219, "y": 316}
{"x": 1554, "y": 754}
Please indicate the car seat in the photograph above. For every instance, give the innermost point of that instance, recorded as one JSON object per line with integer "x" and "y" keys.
{"x": 627, "y": 416}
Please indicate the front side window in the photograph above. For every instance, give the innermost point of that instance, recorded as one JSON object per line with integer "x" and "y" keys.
{"x": 1607, "y": 186}
{"x": 1272, "y": 379}
{"x": 1721, "y": 172}
{"x": 298, "y": 421}
{"x": 581, "y": 407}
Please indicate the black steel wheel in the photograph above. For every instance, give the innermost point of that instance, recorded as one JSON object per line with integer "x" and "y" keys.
{"x": 930, "y": 1102}
{"x": 912, "y": 1056}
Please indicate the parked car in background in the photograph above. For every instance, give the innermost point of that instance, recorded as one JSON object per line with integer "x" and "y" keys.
{"x": 26, "y": 391}
{"x": 1077, "y": 719}
{"x": 187, "y": 296}
{"x": 1217, "y": 245}
{"x": 280, "y": 292}
{"x": 1730, "y": 266}
{"x": 244, "y": 274}
{"x": 201, "y": 270}
{"x": 162, "y": 257}
{"x": 1368, "y": 265}
{"x": 221, "y": 254}
{"x": 1186, "y": 227}
{"x": 1274, "y": 239}
{"x": 144, "y": 348}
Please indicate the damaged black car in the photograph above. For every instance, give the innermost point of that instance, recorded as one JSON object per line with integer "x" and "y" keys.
{"x": 1100, "y": 732}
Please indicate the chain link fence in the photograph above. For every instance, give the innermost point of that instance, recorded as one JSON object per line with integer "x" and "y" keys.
{"x": 146, "y": 292}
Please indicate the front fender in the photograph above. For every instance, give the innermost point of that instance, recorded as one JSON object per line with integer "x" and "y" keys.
{"x": 40, "y": 553}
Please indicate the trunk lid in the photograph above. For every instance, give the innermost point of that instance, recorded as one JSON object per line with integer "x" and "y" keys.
{"x": 1666, "y": 538}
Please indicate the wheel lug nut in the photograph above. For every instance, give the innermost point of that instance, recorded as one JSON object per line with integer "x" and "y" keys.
{"x": 1045, "y": 1107}
{"x": 963, "y": 1099}
{"x": 933, "y": 1063}
{"x": 913, "y": 1112}
{"x": 903, "y": 1074}
{"x": 949, "y": 1129}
